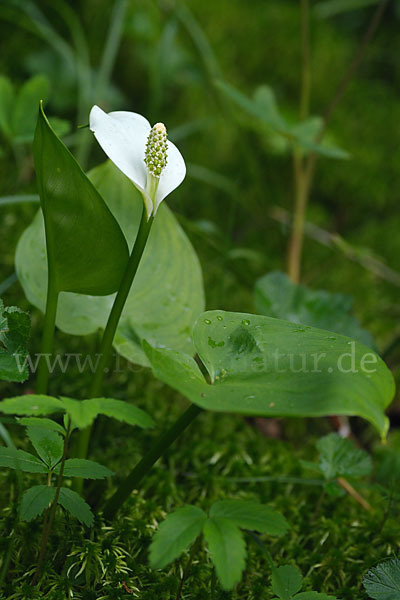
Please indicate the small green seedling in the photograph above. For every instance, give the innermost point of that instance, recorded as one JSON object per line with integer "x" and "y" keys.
{"x": 383, "y": 581}
{"x": 338, "y": 457}
{"x": 222, "y": 531}
{"x": 287, "y": 582}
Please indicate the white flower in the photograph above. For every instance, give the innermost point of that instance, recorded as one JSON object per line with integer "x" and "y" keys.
{"x": 142, "y": 153}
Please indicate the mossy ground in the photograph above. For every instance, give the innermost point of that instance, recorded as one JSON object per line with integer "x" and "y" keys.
{"x": 332, "y": 539}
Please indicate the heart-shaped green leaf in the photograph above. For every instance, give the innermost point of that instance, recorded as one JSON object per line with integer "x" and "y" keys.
{"x": 264, "y": 366}
{"x": 87, "y": 251}
{"x": 167, "y": 294}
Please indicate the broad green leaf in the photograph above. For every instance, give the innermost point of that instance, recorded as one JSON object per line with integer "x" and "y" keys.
{"x": 48, "y": 444}
{"x": 383, "y": 581}
{"x": 268, "y": 367}
{"x": 35, "y": 501}
{"x": 14, "y": 334}
{"x": 286, "y": 581}
{"x": 24, "y": 112}
{"x": 87, "y": 469}
{"x": 167, "y": 294}
{"x": 31, "y": 405}
{"x": 124, "y": 411}
{"x": 21, "y": 460}
{"x": 339, "y": 456}
{"x": 227, "y": 548}
{"x": 6, "y": 105}
{"x": 277, "y": 296}
{"x": 175, "y": 534}
{"x": 251, "y": 515}
{"x": 43, "y": 423}
{"x": 76, "y": 505}
{"x": 85, "y": 245}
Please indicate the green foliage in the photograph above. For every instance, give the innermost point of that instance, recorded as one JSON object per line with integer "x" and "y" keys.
{"x": 14, "y": 334}
{"x": 264, "y": 108}
{"x": 383, "y": 581}
{"x": 87, "y": 469}
{"x": 264, "y": 366}
{"x": 82, "y": 412}
{"x": 227, "y": 548}
{"x": 48, "y": 444}
{"x": 167, "y": 294}
{"x": 222, "y": 533}
{"x": 75, "y": 505}
{"x": 277, "y": 296}
{"x": 286, "y": 583}
{"x": 176, "y": 533}
{"x": 250, "y": 515}
{"x": 340, "y": 458}
{"x": 87, "y": 252}
{"x": 42, "y": 423}
{"x": 18, "y": 110}
{"x": 21, "y": 460}
{"x": 35, "y": 501}
{"x": 31, "y": 405}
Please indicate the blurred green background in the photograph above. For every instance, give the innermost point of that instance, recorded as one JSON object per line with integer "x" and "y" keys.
{"x": 163, "y": 59}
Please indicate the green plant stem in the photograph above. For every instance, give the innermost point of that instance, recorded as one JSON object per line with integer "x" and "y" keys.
{"x": 159, "y": 448}
{"x": 46, "y": 348}
{"x": 48, "y": 526}
{"x": 113, "y": 320}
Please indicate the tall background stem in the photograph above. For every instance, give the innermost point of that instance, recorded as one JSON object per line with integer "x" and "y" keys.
{"x": 304, "y": 168}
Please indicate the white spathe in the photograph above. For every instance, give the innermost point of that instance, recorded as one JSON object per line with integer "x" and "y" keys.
{"x": 123, "y": 136}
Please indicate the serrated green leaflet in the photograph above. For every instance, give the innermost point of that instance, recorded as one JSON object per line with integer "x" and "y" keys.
{"x": 48, "y": 444}
{"x": 87, "y": 469}
{"x": 76, "y": 505}
{"x": 43, "y": 423}
{"x": 84, "y": 412}
{"x": 21, "y": 460}
{"x": 339, "y": 456}
{"x": 86, "y": 250}
{"x": 227, "y": 548}
{"x": 383, "y": 581}
{"x": 264, "y": 366}
{"x": 167, "y": 294}
{"x": 35, "y": 501}
{"x": 251, "y": 515}
{"x": 31, "y": 405}
{"x": 176, "y": 533}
